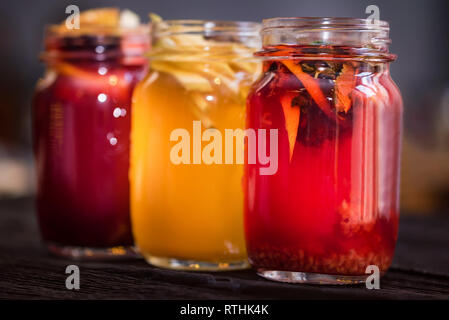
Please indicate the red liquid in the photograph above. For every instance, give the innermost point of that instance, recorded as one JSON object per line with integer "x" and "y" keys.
{"x": 332, "y": 206}
{"x": 81, "y": 141}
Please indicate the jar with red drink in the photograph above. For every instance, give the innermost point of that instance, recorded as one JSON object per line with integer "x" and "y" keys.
{"x": 331, "y": 209}
{"x": 81, "y": 126}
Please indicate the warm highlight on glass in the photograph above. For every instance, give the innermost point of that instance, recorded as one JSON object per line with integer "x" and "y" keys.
{"x": 331, "y": 210}
{"x": 81, "y": 123}
{"x": 190, "y": 216}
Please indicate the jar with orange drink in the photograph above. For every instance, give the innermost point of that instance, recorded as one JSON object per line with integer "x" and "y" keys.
{"x": 187, "y": 211}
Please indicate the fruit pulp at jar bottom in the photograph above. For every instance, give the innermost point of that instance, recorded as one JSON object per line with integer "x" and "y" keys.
{"x": 186, "y": 212}
{"x": 331, "y": 208}
{"x": 81, "y": 142}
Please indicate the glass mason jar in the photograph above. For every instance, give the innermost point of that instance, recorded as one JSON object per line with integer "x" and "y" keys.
{"x": 81, "y": 120}
{"x": 331, "y": 209}
{"x": 186, "y": 200}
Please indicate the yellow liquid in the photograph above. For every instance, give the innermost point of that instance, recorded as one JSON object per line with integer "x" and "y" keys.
{"x": 187, "y": 211}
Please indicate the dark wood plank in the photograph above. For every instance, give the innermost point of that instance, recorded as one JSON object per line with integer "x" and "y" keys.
{"x": 420, "y": 270}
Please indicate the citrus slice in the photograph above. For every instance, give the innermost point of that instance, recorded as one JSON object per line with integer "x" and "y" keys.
{"x": 129, "y": 19}
{"x": 193, "y": 57}
{"x": 155, "y": 18}
{"x": 87, "y": 77}
{"x": 189, "y": 80}
{"x": 105, "y": 17}
{"x": 311, "y": 85}
{"x": 291, "y": 116}
{"x": 344, "y": 85}
{"x": 101, "y": 21}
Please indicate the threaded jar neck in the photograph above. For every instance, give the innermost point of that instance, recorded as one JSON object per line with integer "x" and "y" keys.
{"x": 341, "y": 38}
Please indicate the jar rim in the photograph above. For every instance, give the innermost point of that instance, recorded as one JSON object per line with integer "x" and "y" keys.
{"x": 59, "y": 30}
{"x": 329, "y": 23}
{"x": 196, "y": 26}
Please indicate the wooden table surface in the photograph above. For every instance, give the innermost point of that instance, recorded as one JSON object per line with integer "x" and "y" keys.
{"x": 420, "y": 270}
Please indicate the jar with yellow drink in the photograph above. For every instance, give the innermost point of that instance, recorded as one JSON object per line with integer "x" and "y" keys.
{"x": 186, "y": 197}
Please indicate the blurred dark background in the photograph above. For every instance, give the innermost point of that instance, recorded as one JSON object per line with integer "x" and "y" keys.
{"x": 418, "y": 29}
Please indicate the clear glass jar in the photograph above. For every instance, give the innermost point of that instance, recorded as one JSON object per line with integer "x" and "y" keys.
{"x": 81, "y": 120}
{"x": 331, "y": 209}
{"x": 187, "y": 211}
